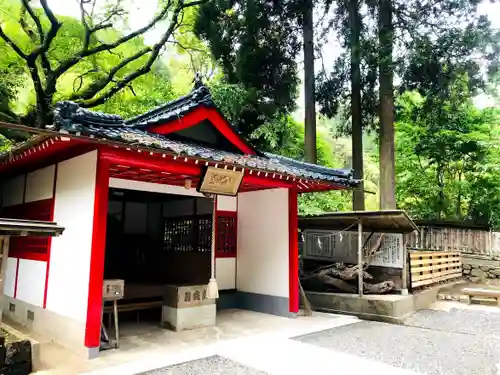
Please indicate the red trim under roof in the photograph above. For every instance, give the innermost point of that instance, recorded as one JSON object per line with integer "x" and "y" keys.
{"x": 198, "y": 115}
{"x": 164, "y": 168}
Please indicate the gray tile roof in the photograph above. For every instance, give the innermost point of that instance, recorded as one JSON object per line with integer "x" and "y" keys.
{"x": 70, "y": 117}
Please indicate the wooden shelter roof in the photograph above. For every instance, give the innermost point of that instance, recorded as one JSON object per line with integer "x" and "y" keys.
{"x": 16, "y": 227}
{"x": 390, "y": 221}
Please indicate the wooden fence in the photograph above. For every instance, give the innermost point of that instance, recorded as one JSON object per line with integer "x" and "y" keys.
{"x": 431, "y": 267}
{"x": 464, "y": 240}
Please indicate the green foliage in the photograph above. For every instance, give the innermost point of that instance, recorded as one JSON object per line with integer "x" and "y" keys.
{"x": 447, "y": 158}
{"x": 256, "y": 44}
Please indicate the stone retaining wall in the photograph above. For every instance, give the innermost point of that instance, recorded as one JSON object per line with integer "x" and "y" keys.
{"x": 477, "y": 267}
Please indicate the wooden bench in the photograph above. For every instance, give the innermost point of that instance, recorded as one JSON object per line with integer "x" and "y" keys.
{"x": 482, "y": 292}
{"x": 131, "y": 306}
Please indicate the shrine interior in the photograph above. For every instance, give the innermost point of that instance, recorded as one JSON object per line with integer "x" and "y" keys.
{"x": 153, "y": 240}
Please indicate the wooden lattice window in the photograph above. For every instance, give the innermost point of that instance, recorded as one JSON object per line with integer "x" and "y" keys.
{"x": 226, "y": 234}
{"x": 36, "y": 248}
{"x": 185, "y": 234}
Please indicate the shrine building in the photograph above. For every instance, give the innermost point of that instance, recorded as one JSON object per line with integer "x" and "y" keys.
{"x": 139, "y": 200}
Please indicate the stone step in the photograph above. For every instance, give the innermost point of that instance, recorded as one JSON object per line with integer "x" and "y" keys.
{"x": 463, "y": 298}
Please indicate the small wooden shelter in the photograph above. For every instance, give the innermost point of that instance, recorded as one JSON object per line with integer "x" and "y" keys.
{"x": 371, "y": 222}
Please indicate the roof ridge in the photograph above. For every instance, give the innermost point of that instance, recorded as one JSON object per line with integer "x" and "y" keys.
{"x": 66, "y": 112}
{"x": 201, "y": 94}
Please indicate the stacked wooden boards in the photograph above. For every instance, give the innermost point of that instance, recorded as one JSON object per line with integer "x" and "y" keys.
{"x": 431, "y": 267}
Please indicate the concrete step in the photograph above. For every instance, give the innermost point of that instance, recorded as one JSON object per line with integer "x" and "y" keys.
{"x": 463, "y": 298}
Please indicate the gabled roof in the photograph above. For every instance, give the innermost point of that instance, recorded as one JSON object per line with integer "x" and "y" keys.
{"x": 160, "y": 132}
{"x": 188, "y": 111}
{"x": 265, "y": 162}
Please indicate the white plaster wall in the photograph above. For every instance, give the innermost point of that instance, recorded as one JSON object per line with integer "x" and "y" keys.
{"x": 225, "y": 203}
{"x": 152, "y": 187}
{"x": 31, "y": 281}
{"x": 40, "y": 184}
{"x": 10, "y": 277}
{"x": 262, "y": 260}
{"x": 225, "y": 273}
{"x": 68, "y": 282}
{"x": 13, "y": 191}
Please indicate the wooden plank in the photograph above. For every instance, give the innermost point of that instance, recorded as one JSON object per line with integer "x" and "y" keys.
{"x": 433, "y": 281}
{"x": 134, "y": 306}
{"x": 435, "y": 274}
{"x": 434, "y": 267}
{"x": 430, "y": 254}
{"x": 420, "y": 262}
{"x": 430, "y": 267}
{"x": 434, "y": 263}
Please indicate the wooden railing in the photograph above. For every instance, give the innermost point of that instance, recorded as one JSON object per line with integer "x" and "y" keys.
{"x": 431, "y": 267}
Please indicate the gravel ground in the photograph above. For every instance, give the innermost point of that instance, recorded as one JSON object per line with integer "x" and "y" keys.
{"x": 213, "y": 365}
{"x": 458, "y": 321}
{"x": 418, "y": 349}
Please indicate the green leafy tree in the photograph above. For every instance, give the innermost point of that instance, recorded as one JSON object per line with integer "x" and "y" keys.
{"x": 448, "y": 157}
{"x": 99, "y": 61}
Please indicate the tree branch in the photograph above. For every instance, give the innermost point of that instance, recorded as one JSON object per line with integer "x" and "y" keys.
{"x": 13, "y": 45}
{"x": 72, "y": 61}
{"x": 99, "y": 85}
{"x": 27, "y": 7}
{"x": 54, "y": 28}
{"x": 155, "y": 51}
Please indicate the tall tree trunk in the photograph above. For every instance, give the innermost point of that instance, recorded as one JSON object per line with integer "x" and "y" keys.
{"x": 358, "y": 201}
{"x": 441, "y": 196}
{"x": 310, "y": 105}
{"x": 386, "y": 115}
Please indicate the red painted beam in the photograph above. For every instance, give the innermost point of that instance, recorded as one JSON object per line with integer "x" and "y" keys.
{"x": 142, "y": 160}
{"x": 268, "y": 182}
{"x": 145, "y": 161}
{"x": 293, "y": 261}
{"x": 94, "y": 305}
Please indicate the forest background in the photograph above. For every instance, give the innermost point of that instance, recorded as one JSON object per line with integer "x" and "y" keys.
{"x": 404, "y": 91}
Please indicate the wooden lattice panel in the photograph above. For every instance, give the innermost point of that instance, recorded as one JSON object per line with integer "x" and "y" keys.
{"x": 431, "y": 267}
{"x": 179, "y": 234}
{"x": 194, "y": 233}
{"x": 226, "y": 234}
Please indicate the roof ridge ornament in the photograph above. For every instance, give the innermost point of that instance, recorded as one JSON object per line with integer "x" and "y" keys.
{"x": 68, "y": 115}
{"x": 197, "y": 81}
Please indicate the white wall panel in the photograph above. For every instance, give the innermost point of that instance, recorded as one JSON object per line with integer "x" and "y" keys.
{"x": 31, "y": 281}
{"x": 152, "y": 187}
{"x": 13, "y": 191}
{"x": 225, "y": 273}
{"x": 10, "y": 277}
{"x": 68, "y": 284}
{"x": 40, "y": 184}
{"x": 225, "y": 203}
{"x": 262, "y": 259}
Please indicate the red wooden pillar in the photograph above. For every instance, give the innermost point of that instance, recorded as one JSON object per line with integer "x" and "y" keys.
{"x": 94, "y": 305}
{"x": 293, "y": 272}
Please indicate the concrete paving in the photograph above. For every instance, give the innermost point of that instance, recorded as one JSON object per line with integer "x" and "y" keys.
{"x": 249, "y": 343}
{"x": 213, "y": 365}
{"x": 459, "y": 342}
